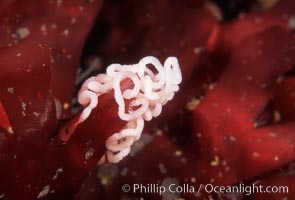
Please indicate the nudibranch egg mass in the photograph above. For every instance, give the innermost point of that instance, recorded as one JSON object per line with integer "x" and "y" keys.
{"x": 153, "y": 85}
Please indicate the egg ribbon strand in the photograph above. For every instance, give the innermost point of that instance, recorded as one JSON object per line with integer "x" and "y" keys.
{"x": 153, "y": 85}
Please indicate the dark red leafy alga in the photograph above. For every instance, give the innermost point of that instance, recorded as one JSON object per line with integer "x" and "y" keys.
{"x": 25, "y": 90}
{"x": 63, "y": 26}
{"x": 40, "y": 47}
{"x": 34, "y": 163}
